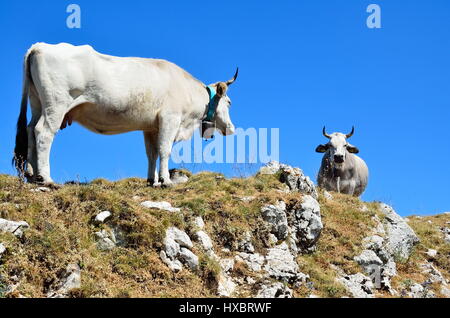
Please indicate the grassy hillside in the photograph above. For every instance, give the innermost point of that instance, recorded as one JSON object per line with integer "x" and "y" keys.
{"x": 62, "y": 232}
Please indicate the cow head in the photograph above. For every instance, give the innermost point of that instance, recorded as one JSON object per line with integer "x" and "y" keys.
{"x": 222, "y": 115}
{"x": 338, "y": 147}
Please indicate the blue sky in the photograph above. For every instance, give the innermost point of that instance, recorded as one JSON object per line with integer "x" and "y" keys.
{"x": 304, "y": 64}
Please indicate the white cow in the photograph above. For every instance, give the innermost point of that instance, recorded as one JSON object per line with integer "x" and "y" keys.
{"x": 110, "y": 95}
{"x": 341, "y": 170}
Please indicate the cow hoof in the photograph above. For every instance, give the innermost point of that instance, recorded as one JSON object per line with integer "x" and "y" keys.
{"x": 153, "y": 184}
{"x": 49, "y": 184}
{"x": 166, "y": 184}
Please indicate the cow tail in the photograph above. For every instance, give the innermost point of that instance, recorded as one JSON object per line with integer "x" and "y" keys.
{"x": 21, "y": 147}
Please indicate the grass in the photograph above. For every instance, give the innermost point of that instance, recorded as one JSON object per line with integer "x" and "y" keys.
{"x": 62, "y": 232}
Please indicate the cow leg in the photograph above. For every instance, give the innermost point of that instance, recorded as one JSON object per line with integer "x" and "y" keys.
{"x": 152, "y": 155}
{"x": 168, "y": 128}
{"x": 31, "y": 168}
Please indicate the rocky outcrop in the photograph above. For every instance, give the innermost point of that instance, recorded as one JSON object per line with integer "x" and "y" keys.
{"x": 301, "y": 222}
{"x": 359, "y": 285}
{"x": 400, "y": 237}
{"x": 294, "y": 178}
{"x": 177, "y": 245}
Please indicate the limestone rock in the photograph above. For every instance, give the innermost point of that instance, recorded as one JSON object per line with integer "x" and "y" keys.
{"x": 245, "y": 245}
{"x": 359, "y": 285}
{"x": 276, "y": 216}
{"x": 204, "y": 240}
{"x": 70, "y": 281}
{"x": 179, "y": 236}
{"x": 270, "y": 168}
{"x": 298, "y": 181}
{"x": 226, "y": 264}
{"x": 253, "y": 261}
{"x": 306, "y": 223}
{"x": 189, "y": 258}
{"x": 199, "y": 223}
{"x": 178, "y": 176}
{"x": 102, "y": 217}
{"x": 400, "y": 237}
{"x": 2, "y": 250}
{"x": 166, "y": 206}
{"x": 16, "y": 228}
{"x": 368, "y": 260}
{"x": 174, "y": 265}
{"x": 431, "y": 253}
{"x": 176, "y": 250}
{"x": 226, "y": 286}
{"x": 281, "y": 265}
{"x": 274, "y": 290}
{"x": 106, "y": 241}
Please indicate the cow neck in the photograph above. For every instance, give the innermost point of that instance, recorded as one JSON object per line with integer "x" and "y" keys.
{"x": 212, "y": 103}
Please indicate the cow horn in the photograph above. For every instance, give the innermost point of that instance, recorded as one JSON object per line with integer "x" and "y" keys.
{"x": 351, "y": 133}
{"x": 325, "y": 133}
{"x": 231, "y": 81}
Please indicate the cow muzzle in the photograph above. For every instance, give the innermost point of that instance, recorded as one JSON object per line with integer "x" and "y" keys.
{"x": 339, "y": 158}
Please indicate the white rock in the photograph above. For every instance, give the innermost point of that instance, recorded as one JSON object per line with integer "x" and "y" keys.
{"x": 359, "y": 285}
{"x": 253, "y": 261}
{"x": 445, "y": 291}
{"x": 374, "y": 242}
{"x": 272, "y": 239}
{"x": 178, "y": 176}
{"x": 276, "y": 216}
{"x": 226, "y": 286}
{"x": 2, "y": 250}
{"x": 16, "y": 228}
{"x": 416, "y": 291}
{"x": 204, "y": 240}
{"x": 274, "y": 290}
{"x": 189, "y": 258}
{"x": 281, "y": 265}
{"x": 434, "y": 275}
{"x": 307, "y": 224}
{"x": 179, "y": 236}
{"x": 70, "y": 281}
{"x": 105, "y": 240}
{"x": 431, "y": 253}
{"x": 368, "y": 260}
{"x": 199, "y": 223}
{"x": 298, "y": 181}
{"x": 174, "y": 265}
{"x": 163, "y": 205}
{"x": 400, "y": 237}
{"x": 102, "y": 217}
{"x": 270, "y": 168}
{"x": 245, "y": 245}
{"x": 41, "y": 189}
{"x": 227, "y": 264}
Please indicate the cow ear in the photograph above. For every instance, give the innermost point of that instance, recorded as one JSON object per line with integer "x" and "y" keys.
{"x": 322, "y": 148}
{"x": 352, "y": 149}
{"x": 221, "y": 89}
